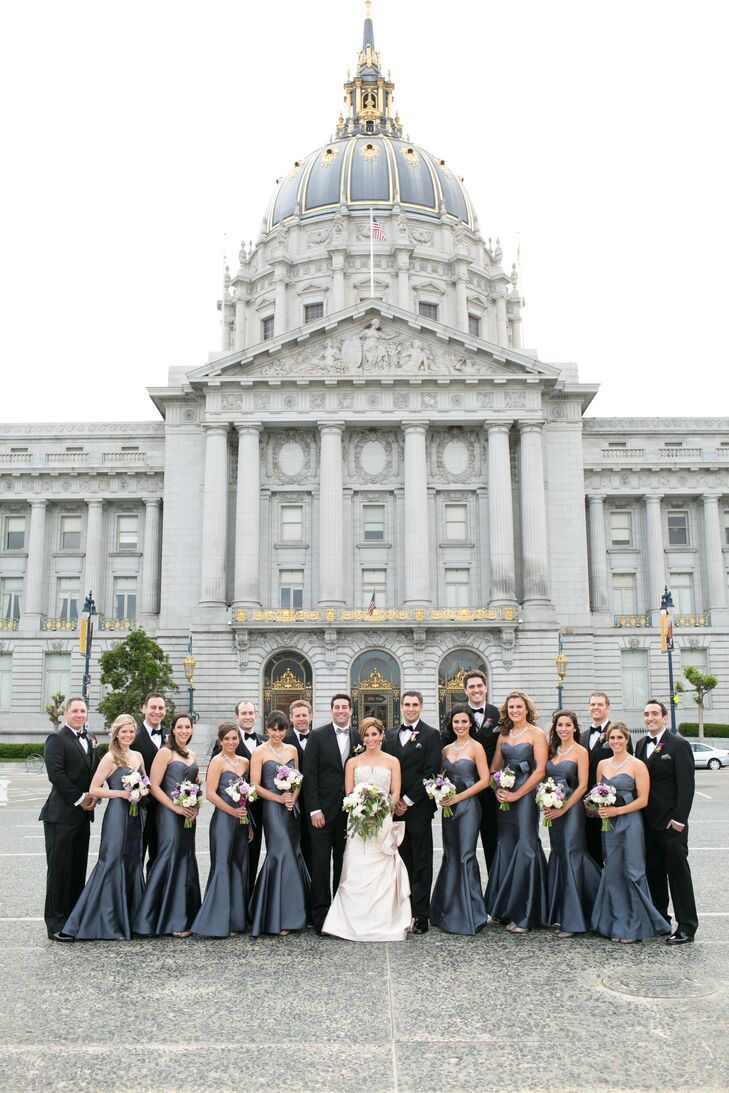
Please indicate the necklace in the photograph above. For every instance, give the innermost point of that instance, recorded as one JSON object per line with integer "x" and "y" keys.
{"x": 515, "y": 735}
{"x": 233, "y": 759}
{"x": 565, "y": 751}
{"x": 617, "y": 766}
{"x": 279, "y": 753}
{"x": 462, "y": 747}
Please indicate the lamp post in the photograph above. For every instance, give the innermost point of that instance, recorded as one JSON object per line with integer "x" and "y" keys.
{"x": 189, "y": 665}
{"x": 561, "y": 663}
{"x": 667, "y": 645}
{"x": 86, "y": 636}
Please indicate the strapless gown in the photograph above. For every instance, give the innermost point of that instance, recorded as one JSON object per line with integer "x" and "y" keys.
{"x": 281, "y": 899}
{"x": 372, "y": 902}
{"x": 573, "y": 877}
{"x": 623, "y": 907}
{"x": 517, "y": 887}
{"x": 458, "y": 905}
{"x": 114, "y": 890}
{"x": 172, "y": 896}
{"x": 223, "y": 909}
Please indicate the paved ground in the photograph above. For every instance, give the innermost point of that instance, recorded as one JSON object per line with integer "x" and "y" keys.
{"x": 435, "y": 1014}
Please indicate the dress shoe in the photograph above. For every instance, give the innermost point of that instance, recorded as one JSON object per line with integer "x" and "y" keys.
{"x": 421, "y": 926}
{"x": 679, "y": 938}
{"x": 60, "y": 936}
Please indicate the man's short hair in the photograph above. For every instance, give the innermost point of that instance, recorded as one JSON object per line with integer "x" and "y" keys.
{"x": 341, "y": 696}
{"x": 244, "y": 702}
{"x": 600, "y": 694}
{"x": 154, "y": 694}
{"x": 475, "y": 673}
{"x": 656, "y": 702}
{"x": 412, "y": 694}
{"x": 74, "y": 698}
{"x": 300, "y": 702}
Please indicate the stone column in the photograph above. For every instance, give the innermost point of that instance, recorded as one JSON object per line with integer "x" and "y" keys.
{"x": 715, "y": 597}
{"x": 240, "y": 321}
{"x": 215, "y": 517}
{"x": 655, "y": 558}
{"x": 501, "y": 516}
{"x": 331, "y": 527}
{"x": 279, "y": 314}
{"x": 94, "y": 563}
{"x": 534, "y": 523}
{"x": 403, "y": 276}
{"x": 338, "y": 262}
{"x": 151, "y": 556}
{"x": 598, "y": 554}
{"x": 502, "y": 334}
{"x": 417, "y": 553}
{"x": 246, "y": 592}
{"x": 461, "y": 300}
{"x": 36, "y": 571}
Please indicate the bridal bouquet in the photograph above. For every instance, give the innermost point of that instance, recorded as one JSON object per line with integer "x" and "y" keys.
{"x": 138, "y": 783}
{"x": 550, "y": 794}
{"x": 367, "y": 806}
{"x": 440, "y": 789}
{"x": 601, "y": 795}
{"x": 288, "y": 779}
{"x": 187, "y": 795}
{"x": 503, "y": 779}
{"x": 240, "y": 790}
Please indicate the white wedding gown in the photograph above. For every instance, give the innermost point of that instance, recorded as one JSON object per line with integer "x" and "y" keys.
{"x": 372, "y": 902}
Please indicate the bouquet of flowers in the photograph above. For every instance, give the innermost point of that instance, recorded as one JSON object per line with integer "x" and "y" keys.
{"x": 440, "y": 789}
{"x": 550, "y": 794}
{"x": 367, "y": 806}
{"x": 187, "y": 795}
{"x": 138, "y": 783}
{"x": 242, "y": 791}
{"x": 503, "y": 779}
{"x": 288, "y": 779}
{"x": 601, "y": 795}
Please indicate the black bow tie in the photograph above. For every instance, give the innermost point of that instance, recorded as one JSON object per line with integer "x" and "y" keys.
{"x": 82, "y": 735}
{"x": 155, "y": 732}
{"x": 302, "y": 735}
{"x": 405, "y": 728}
{"x": 478, "y": 709}
{"x": 249, "y": 736}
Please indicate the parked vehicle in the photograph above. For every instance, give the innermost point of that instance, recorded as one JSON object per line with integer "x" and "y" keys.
{"x": 707, "y": 757}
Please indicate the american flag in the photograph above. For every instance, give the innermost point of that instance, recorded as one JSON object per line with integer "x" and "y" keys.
{"x": 372, "y": 605}
{"x": 378, "y": 232}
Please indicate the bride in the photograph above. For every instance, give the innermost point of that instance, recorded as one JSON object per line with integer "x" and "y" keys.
{"x": 372, "y": 902}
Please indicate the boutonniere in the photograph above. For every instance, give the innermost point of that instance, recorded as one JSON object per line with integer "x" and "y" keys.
{"x": 414, "y": 738}
{"x": 357, "y": 749}
{"x": 658, "y": 748}
{"x": 487, "y": 724}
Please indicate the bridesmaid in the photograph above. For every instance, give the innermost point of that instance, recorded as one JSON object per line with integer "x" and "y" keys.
{"x": 458, "y": 905}
{"x": 114, "y": 890}
{"x": 572, "y": 877}
{"x": 172, "y": 897}
{"x": 517, "y": 886}
{"x": 223, "y": 911}
{"x": 281, "y": 899}
{"x": 623, "y": 909}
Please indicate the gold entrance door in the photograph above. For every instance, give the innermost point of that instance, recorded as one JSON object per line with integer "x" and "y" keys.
{"x": 375, "y": 695}
{"x": 286, "y": 679}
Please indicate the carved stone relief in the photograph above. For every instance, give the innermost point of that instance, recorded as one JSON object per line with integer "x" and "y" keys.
{"x": 454, "y": 455}
{"x": 373, "y": 456}
{"x": 290, "y": 456}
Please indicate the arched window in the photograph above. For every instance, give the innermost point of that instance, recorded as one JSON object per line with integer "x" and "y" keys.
{"x": 286, "y": 677}
{"x": 452, "y": 669}
{"x": 375, "y": 682}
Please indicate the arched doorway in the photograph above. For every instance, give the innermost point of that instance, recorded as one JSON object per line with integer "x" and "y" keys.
{"x": 375, "y": 683}
{"x": 452, "y": 669}
{"x": 286, "y": 677}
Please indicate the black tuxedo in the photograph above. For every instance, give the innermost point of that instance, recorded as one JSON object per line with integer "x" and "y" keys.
{"x": 66, "y": 826}
{"x": 593, "y": 824}
{"x": 488, "y": 736}
{"x": 255, "y": 812}
{"x": 292, "y": 738}
{"x": 144, "y": 744}
{"x": 672, "y": 774}
{"x": 419, "y": 759}
{"x": 323, "y": 790}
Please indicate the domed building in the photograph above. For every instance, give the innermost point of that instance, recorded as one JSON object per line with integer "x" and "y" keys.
{"x": 372, "y": 486}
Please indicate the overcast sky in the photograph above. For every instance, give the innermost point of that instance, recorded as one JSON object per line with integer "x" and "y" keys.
{"x": 137, "y": 136}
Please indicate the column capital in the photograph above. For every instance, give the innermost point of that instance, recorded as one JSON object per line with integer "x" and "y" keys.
{"x": 497, "y": 426}
{"x": 712, "y": 496}
{"x": 95, "y": 502}
{"x": 152, "y": 502}
{"x": 653, "y": 498}
{"x": 415, "y": 425}
{"x": 528, "y": 426}
{"x": 212, "y": 427}
{"x": 337, "y": 426}
{"x": 248, "y": 427}
{"x": 596, "y": 498}
{"x": 38, "y": 502}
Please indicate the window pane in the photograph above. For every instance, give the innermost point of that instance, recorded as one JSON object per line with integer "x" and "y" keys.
{"x": 726, "y": 528}
{"x": 6, "y": 665}
{"x": 10, "y": 590}
{"x": 678, "y": 528}
{"x": 57, "y": 676}
{"x": 312, "y": 312}
{"x": 374, "y": 582}
{"x": 68, "y": 597}
{"x": 474, "y": 326}
{"x": 457, "y": 587}
{"x": 70, "y": 533}
{"x": 292, "y": 523}
{"x": 636, "y": 679}
{"x": 125, "y": 597}
{"x": 682, "y": 590}
{"x": 267, "y": 328}
{"x": 127, "y": 532}
{"x": 428, "y": 311}
{"x": 291, "y": 583}
{"x": 621, "y": 528}
{"x": 15, "y": 533}
{"x": 456, "y": 521}
{"x": 373, "y": 519}
{"x": 624, "y": 594}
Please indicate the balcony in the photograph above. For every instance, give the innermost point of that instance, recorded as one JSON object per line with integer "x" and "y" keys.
{"x": 651, "y": 619}
{"x": 115, "y": 626}
{"x": 486, "y": 616}
{"x": 14, "y": 458}
{"x": 59, "y": 625}
{"x": 9, "y": 624}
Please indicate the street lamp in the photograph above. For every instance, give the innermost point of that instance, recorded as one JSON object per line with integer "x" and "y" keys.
{"x": 667, "y": 645}
{"x": 86, "y": 636}
{"x": 189, "y": 665}
{"x": 561, "y": 663}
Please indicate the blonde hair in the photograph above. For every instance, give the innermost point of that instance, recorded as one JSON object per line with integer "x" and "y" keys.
{"x": 621, "y": 727}
{"x": 119, "y": 757}
{"x": 532, "y": 713}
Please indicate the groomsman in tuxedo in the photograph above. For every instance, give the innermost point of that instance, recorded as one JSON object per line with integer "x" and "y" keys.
{"x": 476, "y": 687}
{"x": 325, "y": 756}
{"x": 417, "y": 746}
{"x": 670, "y": 763}
{"x": 595, "y": 740}
{"x": 67, "y": 814}
{"x": 149, "y": 739}
{"x": 298, "y": 735}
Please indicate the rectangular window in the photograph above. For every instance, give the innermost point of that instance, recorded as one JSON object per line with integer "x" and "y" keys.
{"x": 625, "y": 601}
{"x": 678, "y": 528}
{"x": 373, "y": 522}
{"x": 457, "y": 583}
{"x": 67, "y": 598}
{"x": 428, "y": 311}
{"x": 374, "y": 583}
{"x": 6, "y": 666}
{"x": 127, "y": 532}
{"x": 267, "y": 328}
{"x": 291, "y": 583}
{"x": 474, "y": 326}
{"x": 456, "y": 523}
{"x": 10, "y": 592}
{"x": 682, "y": 591}
{"x": 125, "y": 597}
{"x": 312, "y": 312}
{"x": 15, "y": 533}
{"x": 621, "y": 528}
{"x": 70, "y": 533}
{"x": 636, "y": 678}
{"x": 57, "y": 676}
{"x": 617, "y": 444}
{"x": 726, "y": 527}
{"x": 292, "y": 523}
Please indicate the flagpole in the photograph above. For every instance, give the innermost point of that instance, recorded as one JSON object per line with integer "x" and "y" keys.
{"x": 372, "y": 255}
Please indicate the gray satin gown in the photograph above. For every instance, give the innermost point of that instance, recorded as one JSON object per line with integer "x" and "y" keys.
{"x": 573, "y": 877}
{"x": 517, "y": 887}
{"x": 114, "y": 890}
{"x": 457, "y": 905}
{"x": 172, "y": 897}
{"x": 281, "y": 899}
{"x": 623, "y": 907}
{"x": 223, "y": 909}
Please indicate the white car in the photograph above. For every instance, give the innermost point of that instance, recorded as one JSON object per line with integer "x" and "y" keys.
{"x": 711, "y": 758}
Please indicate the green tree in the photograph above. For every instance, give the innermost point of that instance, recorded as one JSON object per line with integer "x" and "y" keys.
{"x": 131, "y": 670}
{"x": 54, "y": 709}
{"x": 701, "y": 684}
